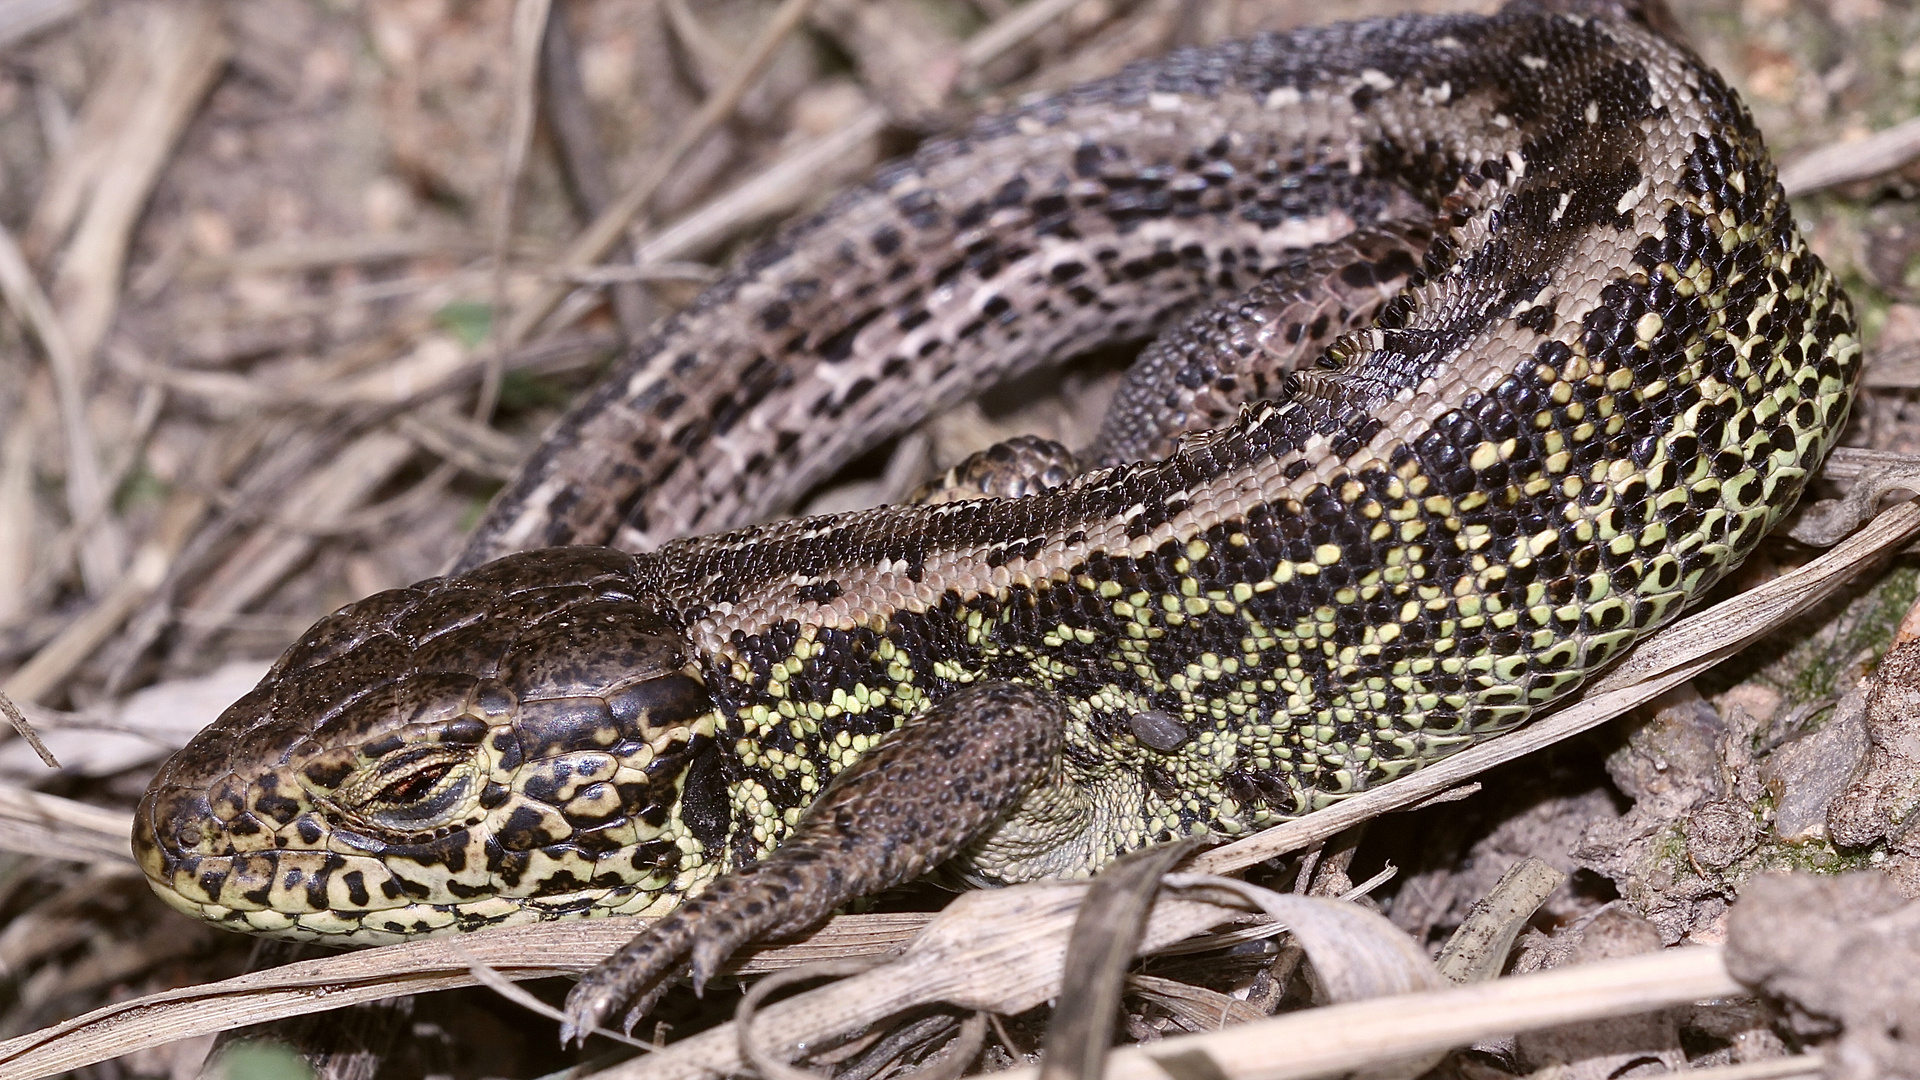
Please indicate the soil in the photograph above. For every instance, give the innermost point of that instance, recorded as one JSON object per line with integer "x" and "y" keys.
{"x": 271, "y": 235}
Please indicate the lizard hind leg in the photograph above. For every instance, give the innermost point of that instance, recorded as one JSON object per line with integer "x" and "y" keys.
{"x": 942, "y": 782}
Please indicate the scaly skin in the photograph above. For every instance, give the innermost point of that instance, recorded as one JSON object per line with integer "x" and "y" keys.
{"x": 1613, "y": 374}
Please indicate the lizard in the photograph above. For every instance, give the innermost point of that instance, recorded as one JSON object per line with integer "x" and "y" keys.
{"x": 1583, "y": 363}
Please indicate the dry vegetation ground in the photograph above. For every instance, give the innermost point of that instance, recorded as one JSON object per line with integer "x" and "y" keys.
{"x": 274, "y": 332}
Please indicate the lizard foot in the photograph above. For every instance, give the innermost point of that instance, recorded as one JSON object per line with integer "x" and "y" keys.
{"x": 941, "y": 781}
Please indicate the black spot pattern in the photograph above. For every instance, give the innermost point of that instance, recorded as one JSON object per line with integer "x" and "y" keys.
{"x": 1489, "y": 462}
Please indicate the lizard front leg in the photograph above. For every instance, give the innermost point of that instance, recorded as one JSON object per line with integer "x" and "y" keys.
{"x": 937, "y": 787}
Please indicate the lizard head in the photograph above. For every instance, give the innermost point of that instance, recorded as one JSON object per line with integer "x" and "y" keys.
{"x": 509, "y": 745}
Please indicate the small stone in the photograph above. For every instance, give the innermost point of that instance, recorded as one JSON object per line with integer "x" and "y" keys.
{"x": 1884, "y": 794}
{"x": 1719, "y": 833}
{"x": 1805, "y": 775}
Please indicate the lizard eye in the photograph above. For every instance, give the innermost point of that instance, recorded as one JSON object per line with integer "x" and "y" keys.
{"x": 410, "y": 789}
{"x": 413, "y": 789}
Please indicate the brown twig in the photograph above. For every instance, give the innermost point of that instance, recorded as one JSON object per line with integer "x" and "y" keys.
{"x": 564, "y": 96}
{"x": 828, "y": 159}
{"x": 24, "y": 728}
{"x": 599, "y": 238}
{"x": 1860, "y": 159}
{"x": 102, "y": 555}
{"x": 82, "y": 638}
{"x": 530, "y": 19}
{"x": 183, "y": 48}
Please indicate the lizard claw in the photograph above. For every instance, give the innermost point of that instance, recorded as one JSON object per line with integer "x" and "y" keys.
{"x": 915, "y": 802}
{"x": 587, "y": 1009}
{"x": 706, "y": 929}
{"x": 584, "y": 1012}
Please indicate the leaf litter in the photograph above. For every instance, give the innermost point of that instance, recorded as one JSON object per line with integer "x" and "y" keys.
{"x": 289, "y": 287}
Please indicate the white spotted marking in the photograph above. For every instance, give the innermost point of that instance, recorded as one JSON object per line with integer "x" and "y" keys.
{"x": 1533, "y": 63}
{"x": 1377, "y": 79}
{"x": 1593, "y": 112}
{"x": 1282, "y": 97}
{"x": 1558, "y": 211}
{"x": 1632, "y": 198}
{"x": 1164, "y": 102}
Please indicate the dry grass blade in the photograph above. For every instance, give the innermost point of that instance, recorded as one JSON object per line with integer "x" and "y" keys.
{"x": 487, "y": 976}
{"x": 1893, "y": 367}
{"x": 1195, "y": 1006}
{"x": 1356, "y": 953}
{"x": 765, "y": 1061}
{"x": 81, "y": 639}
{"x": 906, "y": 58}
{"x": 1478, "y": 949}
{"x": 474, "y": 447}
{"x": 178, "y": 58}
{"x": 699, "y": 272}
{"x": 78, "y": 160}
{"x": 433, "y": 369}
{"x": 1825, "y": 522}
{"x": 1106, "y": 936}
{"x": 952, "y": 1061}
{"x": 110, "y": 737}
{"x": 529, "y": 26}
{"x": 1852, "y": 462}
{"x": 56, "y": 828}
{"x": 998, "y": 951}
{"x": 1341, "y": 1038}
{"x": 777, "y": 189}
{"x": 18, "y": 514}
{"x": 334, "y": 982}
{"x": 1808, "y": 1064}
{"x": 318, "y": 253}
{"x": 569, "y": 112}
{"x": 1668, "y": 659}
